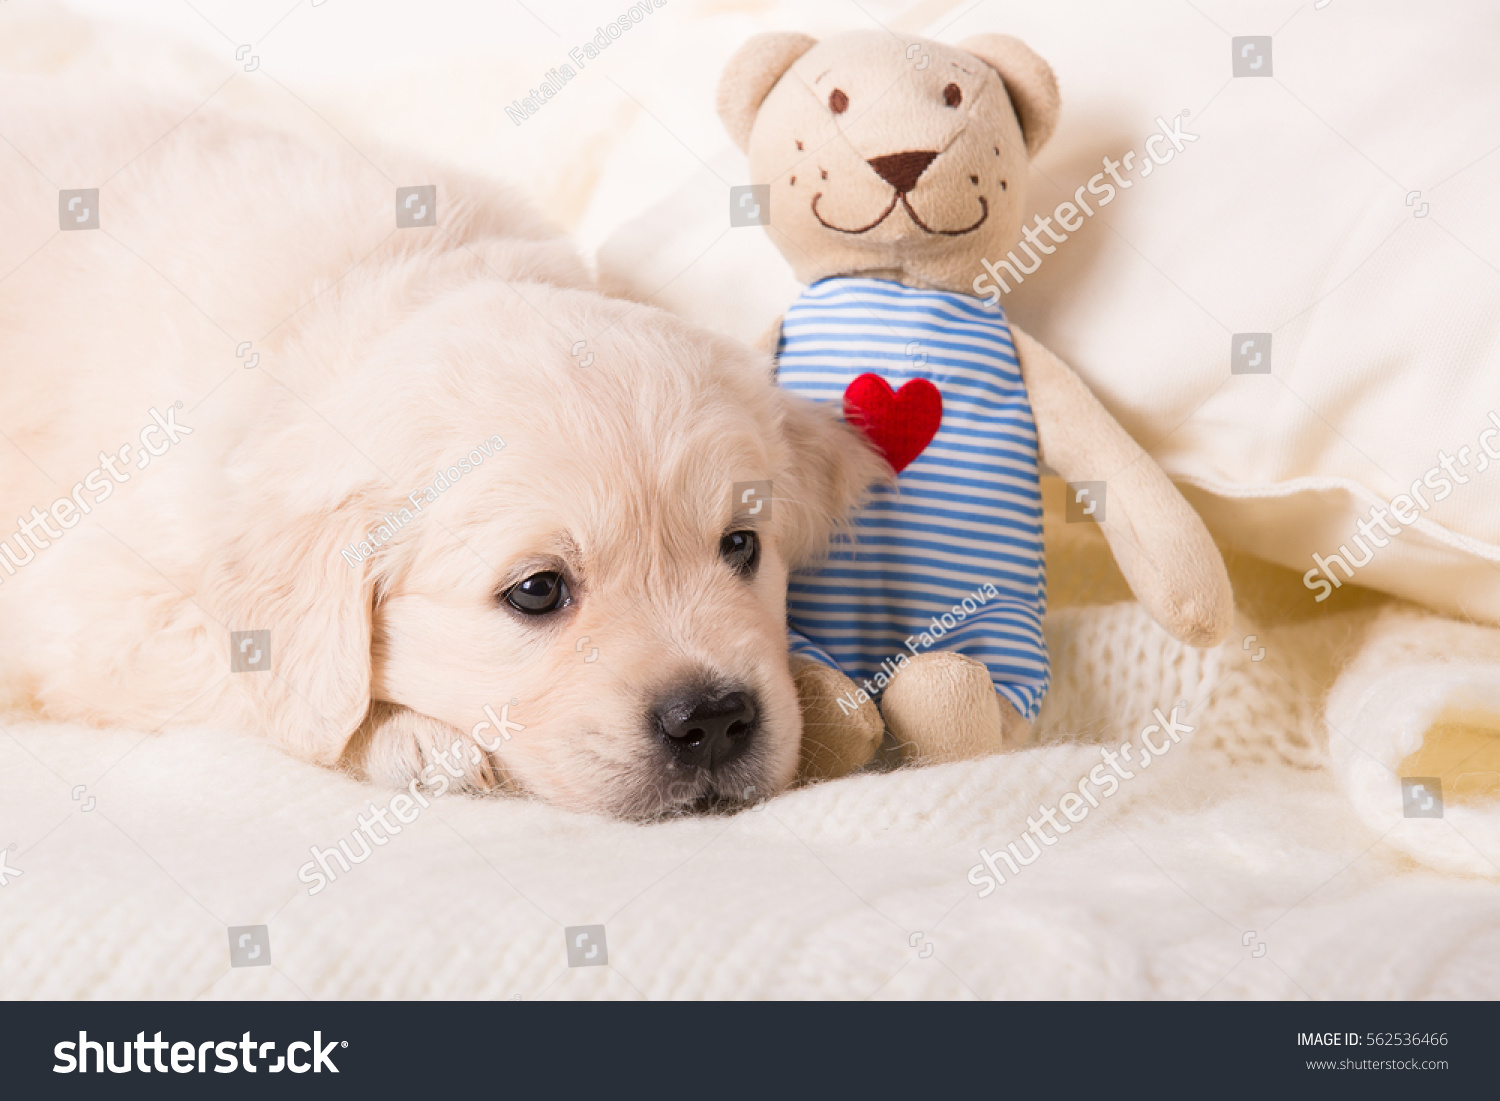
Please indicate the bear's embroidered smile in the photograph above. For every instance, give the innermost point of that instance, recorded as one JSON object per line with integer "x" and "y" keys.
{"x": 902, "y": 171}
{"x": 900, "y": 197}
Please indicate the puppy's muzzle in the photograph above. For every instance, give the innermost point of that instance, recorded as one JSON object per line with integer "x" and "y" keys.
{"x": 708, "y": 728}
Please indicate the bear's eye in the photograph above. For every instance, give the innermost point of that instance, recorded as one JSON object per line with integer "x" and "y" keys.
{"x": 838, "y": 102}
{"x": 953, "y": 95}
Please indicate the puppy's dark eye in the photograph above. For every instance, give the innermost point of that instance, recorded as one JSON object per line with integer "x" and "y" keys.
{"x": 539, "y": 594}
{"x": 953, "y": 95}
{"x": 741, "y": 549}
{"x": 838, "y": 102}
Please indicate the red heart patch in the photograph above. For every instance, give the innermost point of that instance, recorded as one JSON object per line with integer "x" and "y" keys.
{"x": 900, "y": 423}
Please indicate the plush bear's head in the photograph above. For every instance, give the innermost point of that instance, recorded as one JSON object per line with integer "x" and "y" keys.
{"x": 887, "y": 155}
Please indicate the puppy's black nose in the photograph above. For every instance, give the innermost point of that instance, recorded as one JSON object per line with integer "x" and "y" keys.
{"x": 707, "y": 729}
{"x": 903, "y": 170}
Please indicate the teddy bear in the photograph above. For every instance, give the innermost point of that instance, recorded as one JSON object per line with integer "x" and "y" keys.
{"x": 894, "y": 166}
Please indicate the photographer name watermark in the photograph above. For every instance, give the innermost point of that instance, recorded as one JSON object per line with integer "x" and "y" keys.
{"x": 443, "y": 481}
{"x": 850, "y": 701}
{"x": 553, "y": 80}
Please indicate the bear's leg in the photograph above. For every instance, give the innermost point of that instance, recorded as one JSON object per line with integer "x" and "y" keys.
{"x": 836, "y": 739}
{"x": 943, "y": 707}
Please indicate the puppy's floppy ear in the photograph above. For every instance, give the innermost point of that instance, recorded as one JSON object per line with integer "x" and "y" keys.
{"x": 829, "y": 470}
{"x": 751, "y": 74}
{"x": 1028, "y": 79}
{"x": 285, "y": 573}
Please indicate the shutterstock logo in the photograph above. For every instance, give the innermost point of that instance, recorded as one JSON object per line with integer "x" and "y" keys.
{"x": 751, "y": 499}
{"x": 586, "y": 947}
{"x": 187, "y": 1057}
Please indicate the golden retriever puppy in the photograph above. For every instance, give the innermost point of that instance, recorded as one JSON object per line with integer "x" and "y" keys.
{"x": 382, "y": 475}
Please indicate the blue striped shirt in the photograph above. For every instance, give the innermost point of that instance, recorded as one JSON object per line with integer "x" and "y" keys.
{"x": 952, "y": 558}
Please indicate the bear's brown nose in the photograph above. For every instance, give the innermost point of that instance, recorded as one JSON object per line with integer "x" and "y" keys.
{"x": 902, "y": 170}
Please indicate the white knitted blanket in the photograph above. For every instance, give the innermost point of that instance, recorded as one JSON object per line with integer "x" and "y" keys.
{"x": 1251, "y": 860}
{"x": 1264, "y": 854}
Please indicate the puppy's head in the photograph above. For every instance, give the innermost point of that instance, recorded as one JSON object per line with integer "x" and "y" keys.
{"x": 890, "y": 155}
{"x": 583, "y": 514}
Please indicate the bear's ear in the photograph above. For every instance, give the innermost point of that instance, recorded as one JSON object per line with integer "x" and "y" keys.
{"x": 1028, "y": 79}
{"x": 751, "y": 74}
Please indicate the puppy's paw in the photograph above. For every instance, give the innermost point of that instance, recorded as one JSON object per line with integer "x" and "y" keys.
{"x": 943, "y": 707}
{"x": 396, "y": 745}
{"x": 835, "y": 740}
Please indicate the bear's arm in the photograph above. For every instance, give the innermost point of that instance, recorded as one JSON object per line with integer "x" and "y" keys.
{"x": 1160, "y": 543}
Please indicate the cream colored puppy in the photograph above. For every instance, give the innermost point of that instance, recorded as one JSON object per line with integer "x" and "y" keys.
{"x": 493, "y": 522}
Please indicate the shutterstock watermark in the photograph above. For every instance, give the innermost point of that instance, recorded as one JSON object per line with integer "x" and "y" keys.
{"x": 1159, "y": 149}
{"x": 85, "y": 1056}
{"x": 156, "y": 439}
{"x": 1102, "y": 781}
{"x": 1441, "y": 478}
{"x": 406, "y": 807}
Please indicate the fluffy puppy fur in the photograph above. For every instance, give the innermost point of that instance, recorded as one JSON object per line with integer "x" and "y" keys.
{"x": 384, "y": 357}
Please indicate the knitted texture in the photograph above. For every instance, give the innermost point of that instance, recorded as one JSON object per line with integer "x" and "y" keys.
{"x": 1254, "y": 705}
{"x": 818, "y": 893}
